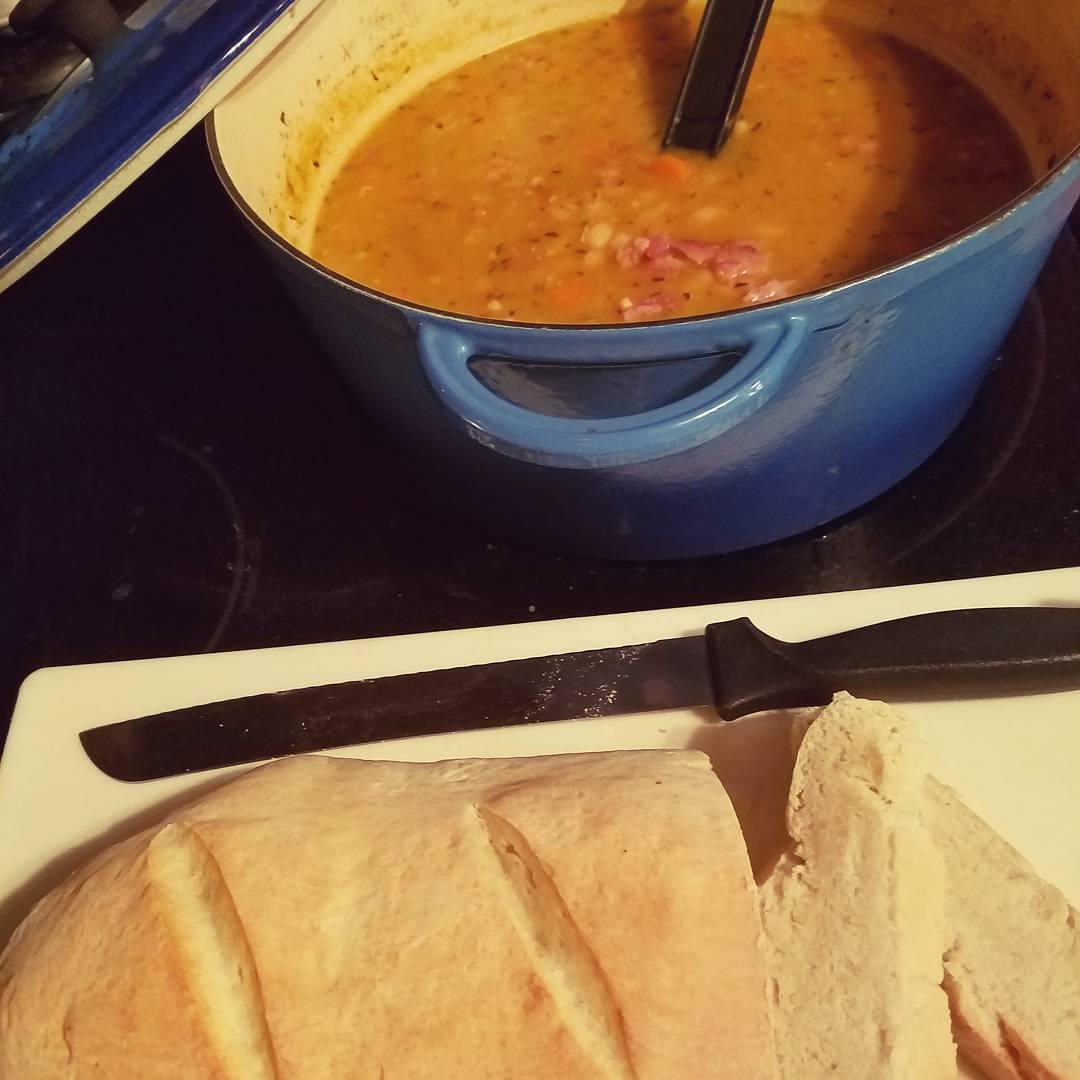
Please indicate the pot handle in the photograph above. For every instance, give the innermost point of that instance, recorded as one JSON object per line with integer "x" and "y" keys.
{"x": 93, "y": 25}
{"x": 767, "y": 347}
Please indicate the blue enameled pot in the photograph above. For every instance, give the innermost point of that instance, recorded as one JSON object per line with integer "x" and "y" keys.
{"x": 688, "y": 437}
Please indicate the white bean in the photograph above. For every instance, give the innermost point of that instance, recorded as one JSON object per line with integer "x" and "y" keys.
{"x": 598, "y": 234}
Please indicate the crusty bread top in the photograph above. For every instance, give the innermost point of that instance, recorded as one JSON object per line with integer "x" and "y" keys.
{"x": 91, "y": 979}
{"x": 853, "y": 913}
{"x": 580, "y": 916}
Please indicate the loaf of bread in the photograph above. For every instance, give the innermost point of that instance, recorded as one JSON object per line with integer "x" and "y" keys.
{"x": 587, "y": 916}
{"x": 1012, "y": 959}
{"x": 854, "y": 910}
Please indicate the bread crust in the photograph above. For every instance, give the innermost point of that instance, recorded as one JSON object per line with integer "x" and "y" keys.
{"x": 383, "y": 937}
{"x": 90, "y": 984}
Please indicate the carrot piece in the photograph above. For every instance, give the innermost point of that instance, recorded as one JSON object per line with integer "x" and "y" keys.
{"x": 670, "y": 169}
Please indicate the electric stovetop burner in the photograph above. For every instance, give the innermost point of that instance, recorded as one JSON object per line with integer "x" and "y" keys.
{"x": 182, "y": 471}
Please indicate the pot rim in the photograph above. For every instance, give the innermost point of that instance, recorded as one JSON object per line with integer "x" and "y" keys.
{"x": 973, "y": 234}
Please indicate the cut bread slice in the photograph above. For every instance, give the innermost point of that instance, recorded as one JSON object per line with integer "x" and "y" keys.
{"x": 854, "y": 910}
{"x": 1012, "y": 961}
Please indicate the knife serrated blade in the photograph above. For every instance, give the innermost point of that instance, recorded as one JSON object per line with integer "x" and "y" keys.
{"x": 734, "y": 666}
{"x": 599, "y": 682}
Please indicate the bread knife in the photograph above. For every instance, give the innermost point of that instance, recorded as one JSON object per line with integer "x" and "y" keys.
{"x": 733, "y": 667}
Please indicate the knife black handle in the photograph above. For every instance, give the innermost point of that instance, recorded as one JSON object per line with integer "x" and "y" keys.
{"x": 976, "y": 652}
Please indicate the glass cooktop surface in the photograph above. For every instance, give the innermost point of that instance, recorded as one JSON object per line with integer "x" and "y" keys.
{"x": 181, "y": 470}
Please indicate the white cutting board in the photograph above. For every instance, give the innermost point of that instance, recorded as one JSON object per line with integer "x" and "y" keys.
{"x": 1015, "y": 760}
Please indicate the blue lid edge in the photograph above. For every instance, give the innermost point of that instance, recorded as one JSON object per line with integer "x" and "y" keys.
{"x": 145, "y": 83}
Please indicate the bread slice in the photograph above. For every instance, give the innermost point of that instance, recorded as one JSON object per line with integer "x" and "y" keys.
{"x": 1012, "y": 961}
{"x": 590, "y": 916}
{"x": 854, "y": 911}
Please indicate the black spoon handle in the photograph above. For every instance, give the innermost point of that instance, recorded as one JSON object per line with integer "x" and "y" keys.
{"x": 716, "y": 76}
{"x": 977, "y": 652}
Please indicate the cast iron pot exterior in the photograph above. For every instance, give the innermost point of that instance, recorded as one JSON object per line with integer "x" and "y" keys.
{"x": 837, "y": 395}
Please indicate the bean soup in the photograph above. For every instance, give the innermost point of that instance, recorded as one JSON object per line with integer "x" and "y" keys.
{"x": 528, "y": 185}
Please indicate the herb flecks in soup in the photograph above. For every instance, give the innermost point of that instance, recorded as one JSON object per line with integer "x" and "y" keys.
{"x": 528, "y": 184}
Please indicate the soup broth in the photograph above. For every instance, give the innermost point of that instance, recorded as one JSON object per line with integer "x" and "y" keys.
{"x": 528, "y": 185}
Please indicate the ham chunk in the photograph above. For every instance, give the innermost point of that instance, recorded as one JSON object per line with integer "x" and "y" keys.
{"x": 652, "y": 305}
{"x": 738, "y": 260}
{"x": 732, "y": 260}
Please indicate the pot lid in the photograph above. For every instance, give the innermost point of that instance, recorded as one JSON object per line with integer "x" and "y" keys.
{"x": 93, "y": 92}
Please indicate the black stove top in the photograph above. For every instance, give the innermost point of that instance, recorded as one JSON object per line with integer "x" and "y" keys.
{"x": 181, "y": 470}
